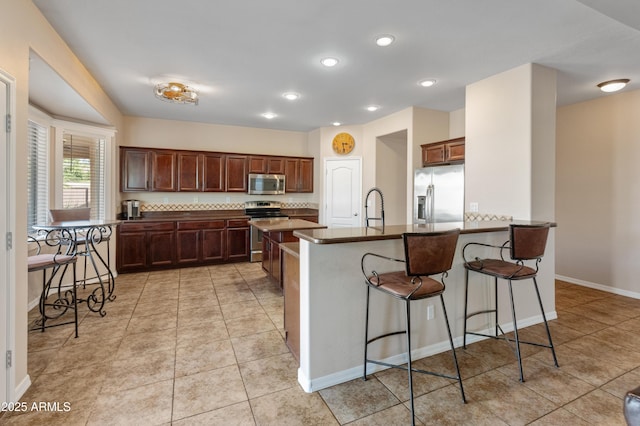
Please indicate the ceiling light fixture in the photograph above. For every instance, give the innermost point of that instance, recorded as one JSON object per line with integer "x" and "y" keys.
{"x": 372, "y": 108}
{"x": 427, "y": 83}
{"x": 336, "y": 123}
{"x": 177, "y": 93}
{"x": 613, "y": 85}
{"x": 329, "y": 62}
{"x": 269, "y": 115}
{"x": 384, "y": 40}
{"x": 291, "y": 96}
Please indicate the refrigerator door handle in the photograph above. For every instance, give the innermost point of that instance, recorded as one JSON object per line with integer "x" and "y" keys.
{"x": 430, "y": 204}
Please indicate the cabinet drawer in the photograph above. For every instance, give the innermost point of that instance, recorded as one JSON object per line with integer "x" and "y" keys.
{"x": 200, "y": 224}
{"x": 237, "y": 223}
{"x": 146, "y": 226}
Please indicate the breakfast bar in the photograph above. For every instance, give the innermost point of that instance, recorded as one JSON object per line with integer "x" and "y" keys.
{"x": 332, "y": 299}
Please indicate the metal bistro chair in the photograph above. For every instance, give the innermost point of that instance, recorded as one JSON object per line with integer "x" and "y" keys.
{"x": 64, "y": 256}
{"x": 83, "y": 213}
{"x": 426, "y": 254}
{"x": 527, "y": 242}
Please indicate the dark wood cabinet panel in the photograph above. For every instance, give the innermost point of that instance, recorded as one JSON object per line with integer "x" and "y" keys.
{"x": 163, "y": 171}
{"x": 444, "y": 152}
{"x": 132, "y": 251}
{"x": 299, "y": 174}
{"x": 147, "y": 245}
{"x": 199, "y": 241}
{"x": 189, "y": 171}
{"x": 161, "y": 248}
{"x": 213, "y": 244}
{"x": 257, "y": 164}
{"x": 236, "y": 173}
{"x": 275, "y": 165}
{"x": 237, "y": 244}
{"x": 213, "y": 173}
{"x": 188, "y": 247}
{"x": 134, "y": 170}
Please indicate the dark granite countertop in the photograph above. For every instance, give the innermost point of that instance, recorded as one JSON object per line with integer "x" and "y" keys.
{"x": 390, "y": 232}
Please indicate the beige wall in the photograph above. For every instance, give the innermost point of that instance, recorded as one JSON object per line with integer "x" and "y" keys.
{"x": 597, "y": 193}
{"x": 22, "y": 27}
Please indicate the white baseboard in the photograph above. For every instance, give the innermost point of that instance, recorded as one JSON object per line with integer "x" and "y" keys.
{"x": 608, "y": 289}
{"x": 22, "y": 387}
{"x": 313, "y": 385}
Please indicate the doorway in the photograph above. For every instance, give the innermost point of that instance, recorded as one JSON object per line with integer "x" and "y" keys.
{"x": 392, "y": 176}
{"x": 343, "y": 193}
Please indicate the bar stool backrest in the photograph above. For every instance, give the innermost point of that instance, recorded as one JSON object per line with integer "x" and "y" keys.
{"x": 62, "y": 215}
{"x": 528, "y": 241}
{"x": 429, "y": 253}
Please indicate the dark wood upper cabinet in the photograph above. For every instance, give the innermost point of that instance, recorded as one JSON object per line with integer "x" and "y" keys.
{"x": 163, "y": 171}
{"x": 275, "y": 165}
{"x": 189, "y": 171}
{"x": 236, "y": 173}
{"x": 298, "y": 174}
{"x": 266, "y": 164}
{"x": 134, "y": 170}
{"x": 213, "y": 172}
{"x": 444, "y": 152}
{"x": 257, "y": 164}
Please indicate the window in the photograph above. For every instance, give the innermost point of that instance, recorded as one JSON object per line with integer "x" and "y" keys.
{"x": 83, "y": 182}
{"x": 37, "y": 175}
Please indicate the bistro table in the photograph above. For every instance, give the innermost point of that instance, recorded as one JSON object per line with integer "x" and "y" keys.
{"x": 90, "y": 233}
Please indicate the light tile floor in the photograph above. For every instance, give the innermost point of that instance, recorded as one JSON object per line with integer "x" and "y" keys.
{"x": 204, "y": 346}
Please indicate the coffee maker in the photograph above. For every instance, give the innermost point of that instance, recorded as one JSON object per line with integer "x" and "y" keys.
{"x": 131, "y": 209}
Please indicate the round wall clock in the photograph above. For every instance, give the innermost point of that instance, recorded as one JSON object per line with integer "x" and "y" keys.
{"x": 343, "y": 143}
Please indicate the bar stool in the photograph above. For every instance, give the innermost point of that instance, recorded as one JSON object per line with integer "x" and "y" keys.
{"x": 63, "y": 257}
{"x": 526, "y": 242}
{"x": 425, "y": 254}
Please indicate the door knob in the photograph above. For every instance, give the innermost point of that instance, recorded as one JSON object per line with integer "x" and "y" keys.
{"x": 355, "y": 214}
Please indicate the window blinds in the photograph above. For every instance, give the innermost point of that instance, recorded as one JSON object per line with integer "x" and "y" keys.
{"x": 84, "y": 174}
{"x": 37, "y": 175}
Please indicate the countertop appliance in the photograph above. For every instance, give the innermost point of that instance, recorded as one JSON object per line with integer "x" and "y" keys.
{"x": 439, "y": 194}
{"x": 261, "y": 210}
{"x": 266, "y": 184}
{"x": 131, "y": 209}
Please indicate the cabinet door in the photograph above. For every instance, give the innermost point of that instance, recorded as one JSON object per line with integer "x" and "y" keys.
{"x": 238, "y": 243}
{"x": 455, "y": 151}
{"x": 275, "y": 165}
{"x": 189, "y": 173}
{"x": 213, "y": 244}
{"x": 266, "y": 253}
{"x": 305, "y": 175}
{"x": 132, "y": 251}
{"x": 236, "y": 173}
{"x": 134, "y": 170}
{"x": 433, "y": 154}
{"x": 257, "y": 164}
{"x": 291, "y": 170}
{"x": 213, "y": 172}
{"x": 160, "y": 248}
{"x": 163, "y": 171}
{"x": 188, "y": 247}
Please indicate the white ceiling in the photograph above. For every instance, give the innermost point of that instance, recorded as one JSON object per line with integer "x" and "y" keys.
{"x": 244, "y": 54}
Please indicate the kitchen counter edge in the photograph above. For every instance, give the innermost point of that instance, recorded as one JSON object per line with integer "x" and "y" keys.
{"x": 391, "y": 232}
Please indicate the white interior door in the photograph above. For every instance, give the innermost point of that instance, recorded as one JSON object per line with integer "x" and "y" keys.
{"x": 343, "y": 193}
{"x": 4, "y": 253}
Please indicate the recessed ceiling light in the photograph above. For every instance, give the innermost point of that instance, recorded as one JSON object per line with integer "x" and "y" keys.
{"x": 613, "y": 85}
{"x": 291, "y": 96}
{"x": 427, "y": 83}
{"x": 373, "y": 108}
{"x": 336, "y": 123}
{"x": 329, "y": 62}
{"x": 269, "y": 115}
{"x": 384, "y": 40}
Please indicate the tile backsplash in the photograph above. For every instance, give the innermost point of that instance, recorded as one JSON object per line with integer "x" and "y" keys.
{"x": 172, "y": 207}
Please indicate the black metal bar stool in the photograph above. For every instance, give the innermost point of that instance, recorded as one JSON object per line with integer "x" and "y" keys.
{"x": 425, "y": 254}
{"x": 61, "y": 259}
{"x": 526, "y": 242}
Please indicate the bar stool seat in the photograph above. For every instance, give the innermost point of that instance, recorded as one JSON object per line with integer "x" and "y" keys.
{"x": 426, "y": 254}
{"x": 526, "y": 243}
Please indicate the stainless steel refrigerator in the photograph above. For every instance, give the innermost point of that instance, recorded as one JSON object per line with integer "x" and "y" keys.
{"x": 438, "y": 194}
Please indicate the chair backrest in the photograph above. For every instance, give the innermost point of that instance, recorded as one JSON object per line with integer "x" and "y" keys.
{"x": 528, "y": 241}
{"x": 429, "y": 253}
{"x": 62, "y": 215}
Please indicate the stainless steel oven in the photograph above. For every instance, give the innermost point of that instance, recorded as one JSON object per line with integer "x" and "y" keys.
{"x": 261, "y": 210}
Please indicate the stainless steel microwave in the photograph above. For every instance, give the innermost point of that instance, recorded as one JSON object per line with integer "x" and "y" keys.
{"x": 266, "y": 184}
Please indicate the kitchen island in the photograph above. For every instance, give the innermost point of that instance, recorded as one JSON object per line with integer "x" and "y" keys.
{"x": 274, "y": 232}
{"x": 332, "y": 299}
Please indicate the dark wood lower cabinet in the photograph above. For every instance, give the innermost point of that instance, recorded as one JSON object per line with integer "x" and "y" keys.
{"x": 145, "y": 246}
{"x": 271, "y": 254}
